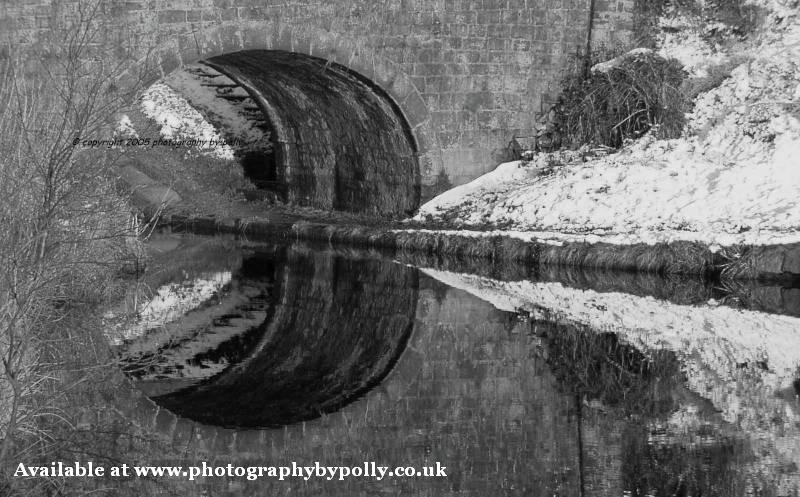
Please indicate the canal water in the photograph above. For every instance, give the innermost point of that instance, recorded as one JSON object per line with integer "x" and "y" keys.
{"x": 548, "y": 382}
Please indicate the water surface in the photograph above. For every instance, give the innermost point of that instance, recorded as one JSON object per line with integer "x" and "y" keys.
{"x": 554, "y": 383}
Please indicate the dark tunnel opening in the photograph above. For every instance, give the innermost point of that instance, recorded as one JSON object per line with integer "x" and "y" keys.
{"x": 339, "y": 142}
{"x": 260, "y": 168}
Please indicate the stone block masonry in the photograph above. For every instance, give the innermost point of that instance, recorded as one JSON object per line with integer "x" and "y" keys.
{"x": 467, "y": 75}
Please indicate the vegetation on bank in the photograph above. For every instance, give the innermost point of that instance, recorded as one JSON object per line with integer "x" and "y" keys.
{"x": 619, "y": 102}
{"x": 609, "y": 96}
{"x": 66, "y": 235}
{"x": 741, "y": 262}
{"x": 206, "y": 184}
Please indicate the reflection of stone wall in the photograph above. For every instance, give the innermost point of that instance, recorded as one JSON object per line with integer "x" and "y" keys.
{"x": 491, "y": 402}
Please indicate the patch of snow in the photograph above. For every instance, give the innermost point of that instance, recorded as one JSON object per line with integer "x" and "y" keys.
{"x": 606, "y": 66}
{"x": 180, "y": 121}
{"x": 734, "y": 181}
{"x": 653, "y": 191}
{"x": 683, "y": 41}
{"x": 225, "y": 116}
{"x": 125, "y": 128}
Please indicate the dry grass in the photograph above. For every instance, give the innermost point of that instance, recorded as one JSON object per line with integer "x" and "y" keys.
{"x": 640, "y": 92}
{"x": 673, "y": 258}
{"x": 666, "y": 259}
{"x": 207, "y": 184}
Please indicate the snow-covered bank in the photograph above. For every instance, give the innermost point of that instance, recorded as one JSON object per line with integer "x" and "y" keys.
{"x": 178, "y": 120}
{"x": 731, "y": 179}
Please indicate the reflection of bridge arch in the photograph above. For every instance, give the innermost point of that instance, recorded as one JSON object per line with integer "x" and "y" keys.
{"x": 334, "y": 329}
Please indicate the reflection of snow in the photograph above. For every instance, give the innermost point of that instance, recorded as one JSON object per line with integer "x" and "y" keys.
{"x": 182, "y": 349}
{"x": 200, "y": 330}
{"x": 722, "y": 336}
{"x": 170, "y": 303}
{"x": 737, "y": 359}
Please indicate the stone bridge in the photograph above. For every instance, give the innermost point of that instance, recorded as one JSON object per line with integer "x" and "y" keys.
{"x": 414, "y": 95}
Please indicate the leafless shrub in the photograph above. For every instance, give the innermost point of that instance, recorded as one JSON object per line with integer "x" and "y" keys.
{"x": 64, "y": 230}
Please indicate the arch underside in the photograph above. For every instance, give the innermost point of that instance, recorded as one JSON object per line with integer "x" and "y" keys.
{"x": 341, "y": 143}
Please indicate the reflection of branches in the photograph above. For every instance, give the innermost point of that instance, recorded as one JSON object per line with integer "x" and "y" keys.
{"x": 599, "y": 366}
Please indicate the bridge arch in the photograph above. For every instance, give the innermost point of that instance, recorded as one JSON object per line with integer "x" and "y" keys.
{"x": 351, "y": 128}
